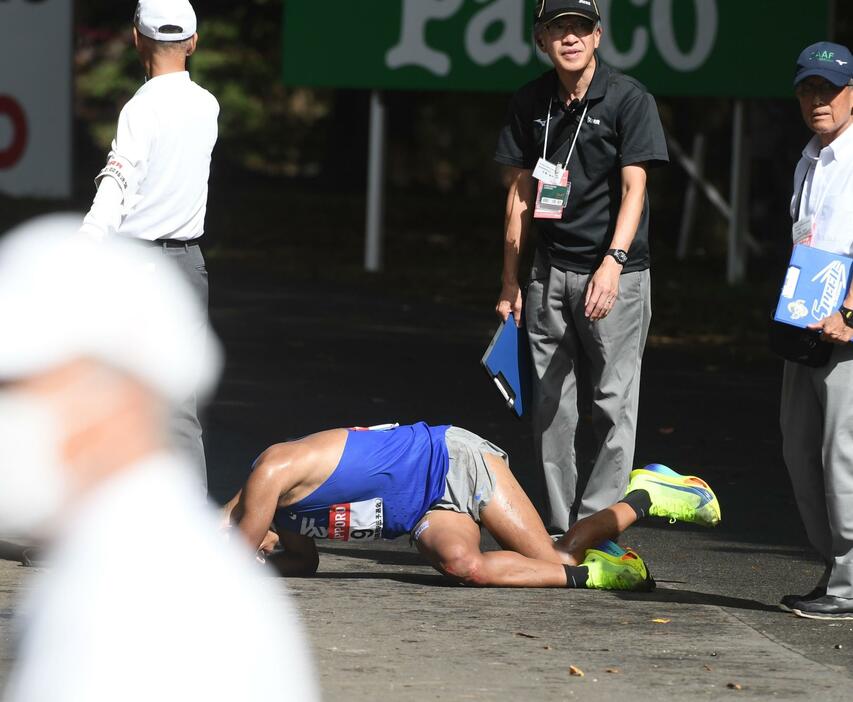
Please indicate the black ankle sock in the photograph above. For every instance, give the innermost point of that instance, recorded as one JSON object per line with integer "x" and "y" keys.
{"x": 576, "y": 576}
{"x": 639, "y": 501}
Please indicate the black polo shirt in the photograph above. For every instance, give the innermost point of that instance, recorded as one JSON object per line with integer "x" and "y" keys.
{"x": 622, "y": 127}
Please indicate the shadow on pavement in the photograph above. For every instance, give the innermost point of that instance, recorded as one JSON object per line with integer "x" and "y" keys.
{"x": 801, "y": 553}
{"x": 664, "y": 596}
{"x": 696, "y": 598}
{"x": 381, "y": 557}
{"x": 397, "y": 558}
{"x": 408, "y": 578}
{"x": 11, "y": 552}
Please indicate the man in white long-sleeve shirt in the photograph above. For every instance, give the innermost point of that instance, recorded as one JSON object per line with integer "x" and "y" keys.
{"x": 154, "y": 186}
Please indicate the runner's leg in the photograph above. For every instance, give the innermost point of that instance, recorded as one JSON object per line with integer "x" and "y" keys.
{"x": 451, "y": 543}
{"x": 513, "y": 521}
{"x": 606, "y": 524}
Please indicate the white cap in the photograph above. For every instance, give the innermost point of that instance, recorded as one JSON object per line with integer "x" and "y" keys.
{"x": 165, "y": 20}
{"x": 65, "y": 296}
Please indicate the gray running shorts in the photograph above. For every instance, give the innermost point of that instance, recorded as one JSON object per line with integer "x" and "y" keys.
{"x": 470, "y": 484}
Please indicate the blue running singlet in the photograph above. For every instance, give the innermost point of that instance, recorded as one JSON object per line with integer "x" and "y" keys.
{"x": 384, "y": 483}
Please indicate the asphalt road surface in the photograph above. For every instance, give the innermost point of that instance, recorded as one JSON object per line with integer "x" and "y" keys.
{"x": 303, "y": 357}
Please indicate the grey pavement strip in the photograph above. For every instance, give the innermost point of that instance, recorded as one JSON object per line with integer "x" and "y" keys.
{"x": 382, "y": 623}
{"x": 385, "y": 628}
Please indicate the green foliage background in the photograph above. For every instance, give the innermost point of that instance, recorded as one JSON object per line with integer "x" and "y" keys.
{"x": 439, "y": 143}
{"x": 263, "y": 125}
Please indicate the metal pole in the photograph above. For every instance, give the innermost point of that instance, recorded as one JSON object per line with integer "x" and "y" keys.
{"x": 375, "y": 185}
{"x": 734, "y": 263}
{"x": 689, "y": 214}
{"x": 72, "y": 151}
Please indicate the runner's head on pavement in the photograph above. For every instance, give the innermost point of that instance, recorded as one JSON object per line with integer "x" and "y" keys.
{"x": 100, "y": 341}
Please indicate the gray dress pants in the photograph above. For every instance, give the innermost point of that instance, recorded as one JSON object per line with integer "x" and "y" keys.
{"x": 583, "y": 368}
{"x": 817, "y": 444}
{"x": 185, "y": 424}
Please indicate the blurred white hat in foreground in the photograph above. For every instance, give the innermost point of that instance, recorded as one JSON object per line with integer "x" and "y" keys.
{"x": 64, "y": 296}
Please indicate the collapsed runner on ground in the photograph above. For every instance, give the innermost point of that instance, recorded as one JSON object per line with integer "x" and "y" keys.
{"x": 440, "y": 484}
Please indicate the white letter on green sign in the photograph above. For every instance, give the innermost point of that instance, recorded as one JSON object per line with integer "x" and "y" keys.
{"x": 707, "y": 21}
{"x": 511, "y": 43}
{"x": 412, "y": 49}
{"x": 624, "y": 61}
{"x": 663, "y": 31}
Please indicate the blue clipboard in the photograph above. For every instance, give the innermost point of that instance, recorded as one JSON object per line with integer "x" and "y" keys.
{"x": 507, "y": 361}
{"x": 815, "y": 286}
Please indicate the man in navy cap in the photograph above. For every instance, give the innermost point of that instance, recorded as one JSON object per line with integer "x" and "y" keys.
{"x": 817, "y": 408}
{"x": 577, "y": 144}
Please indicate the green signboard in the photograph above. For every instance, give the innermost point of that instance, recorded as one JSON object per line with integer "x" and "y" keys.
{"x": 738, "y": 48}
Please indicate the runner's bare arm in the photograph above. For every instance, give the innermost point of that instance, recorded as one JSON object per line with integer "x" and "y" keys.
{"x": 258, "y": 500}
{"x": 299, "y": 557}
{"x": 232, "y": 513}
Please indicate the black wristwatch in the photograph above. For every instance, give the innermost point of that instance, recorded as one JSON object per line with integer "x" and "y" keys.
{"x": 620, "y": 256}
{"x": 846, "y": 315}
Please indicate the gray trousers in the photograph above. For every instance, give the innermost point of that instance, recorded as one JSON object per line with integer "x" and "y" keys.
{"x": 817, "y": 443}
{"x": 185, "y": 424}
{"x": 583, "y": 368}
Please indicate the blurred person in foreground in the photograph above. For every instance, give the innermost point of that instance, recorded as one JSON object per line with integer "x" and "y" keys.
{"x": 142, "y": 600}
{"x": 153, "y": 189}
{"x": 817, "y": 405}
{"x": 577, "y": 143}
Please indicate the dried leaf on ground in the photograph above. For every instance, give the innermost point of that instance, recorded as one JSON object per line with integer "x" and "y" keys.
{"x": 734, "y": 686}
{"x": 661, "y": 620}
{"x": 612, "y": 670}
{"x": 577, "y": 672}
{"x": 526, "y": 636}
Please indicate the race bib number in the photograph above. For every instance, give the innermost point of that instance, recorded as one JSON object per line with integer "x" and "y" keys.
{"x": 356, "y": 521}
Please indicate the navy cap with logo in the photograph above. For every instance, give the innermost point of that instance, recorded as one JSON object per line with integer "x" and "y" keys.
{"x": 547, "y": 10}
{"x": 832, "y": 62}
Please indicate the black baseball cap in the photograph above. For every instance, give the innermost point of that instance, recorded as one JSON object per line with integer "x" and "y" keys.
{"x": 547, "y": 10}
{"x": 829, "y": 61}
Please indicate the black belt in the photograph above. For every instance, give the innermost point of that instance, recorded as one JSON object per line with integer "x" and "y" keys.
{"x": 174, "y": 243}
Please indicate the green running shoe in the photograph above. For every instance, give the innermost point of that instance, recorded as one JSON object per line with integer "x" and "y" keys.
{"x": 677, "y": 497}
{"x": 611, "y": 567}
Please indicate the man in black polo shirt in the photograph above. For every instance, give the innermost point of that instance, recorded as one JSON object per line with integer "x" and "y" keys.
{"x": 578, "y": 141}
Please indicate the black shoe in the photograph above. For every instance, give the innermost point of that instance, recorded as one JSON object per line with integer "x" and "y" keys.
{"x": 786, "y": 604}
{"x": 826, "y": 607}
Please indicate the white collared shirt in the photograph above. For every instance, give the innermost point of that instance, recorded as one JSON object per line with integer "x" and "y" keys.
{"x": 824, "y": 176}
{"x": 163, "y": 145}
